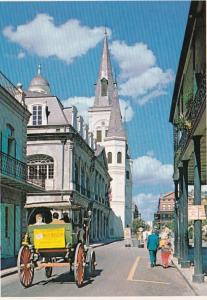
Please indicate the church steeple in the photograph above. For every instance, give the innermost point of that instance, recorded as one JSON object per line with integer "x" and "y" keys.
{"x": 104, "y": 85}
{"x": 115, "y": 129}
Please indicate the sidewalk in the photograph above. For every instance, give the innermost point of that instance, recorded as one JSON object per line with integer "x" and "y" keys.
{"x": 200, "y": 289}
{"x": 12, "y": 270}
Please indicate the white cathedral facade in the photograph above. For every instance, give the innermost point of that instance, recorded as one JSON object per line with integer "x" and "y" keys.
{"x": 61, "y": 147}
{"x": 105, "y": 122}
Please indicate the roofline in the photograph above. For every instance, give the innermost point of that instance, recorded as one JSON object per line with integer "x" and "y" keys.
{"x": 186, "y": 41}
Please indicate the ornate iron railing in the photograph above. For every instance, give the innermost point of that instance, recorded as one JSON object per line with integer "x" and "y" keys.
{"x": 191, "y": 116}
{"x": 9, "y": 87}
{"x": 12, "y": 167}
{"x": 198, "y": 101}
{"x": 15, "y": 168}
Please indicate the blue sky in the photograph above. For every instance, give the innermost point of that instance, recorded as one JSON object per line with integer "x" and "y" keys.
{"x": 145, "y": 42}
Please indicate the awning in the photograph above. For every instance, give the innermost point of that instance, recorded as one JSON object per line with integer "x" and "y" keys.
{"x": 62, "y": 204}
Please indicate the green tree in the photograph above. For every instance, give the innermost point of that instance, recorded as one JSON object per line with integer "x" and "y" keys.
{"x": 137, "y": 223}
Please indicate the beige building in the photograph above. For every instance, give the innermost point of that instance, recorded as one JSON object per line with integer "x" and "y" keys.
{"x": 62, "y": 151}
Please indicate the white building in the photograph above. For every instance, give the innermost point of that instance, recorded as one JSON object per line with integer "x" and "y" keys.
{"x": 64, "y": 154}
{"x": 105, "y": 122}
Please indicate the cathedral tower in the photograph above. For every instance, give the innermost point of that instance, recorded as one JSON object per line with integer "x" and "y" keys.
{"x": 105, "y": 122}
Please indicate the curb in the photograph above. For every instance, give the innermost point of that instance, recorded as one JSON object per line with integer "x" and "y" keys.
{"x": 186, "y": 280}
{"x": 8, "y": 273}
{"x": 14, "y": 271}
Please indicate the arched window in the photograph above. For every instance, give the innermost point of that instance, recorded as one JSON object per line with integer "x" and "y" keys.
{"x": 37, "y": 115}
{"x": 104, "y": 87}
{"x": 119, "y": 158}
{"x": 109, "y": 158}
{"x": 40, "y": 166}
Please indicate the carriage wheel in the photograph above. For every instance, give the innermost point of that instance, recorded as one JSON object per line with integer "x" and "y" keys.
{"x": 25, "y": 266}
{"x": 79, "y": 265}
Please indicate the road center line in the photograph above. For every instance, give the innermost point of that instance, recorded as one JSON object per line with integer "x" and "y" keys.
{"x": 159, "y": 282}
{"x": 133, "y": 269}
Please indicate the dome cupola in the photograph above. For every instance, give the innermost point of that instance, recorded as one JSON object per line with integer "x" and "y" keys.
{"x": 39, "y": 84}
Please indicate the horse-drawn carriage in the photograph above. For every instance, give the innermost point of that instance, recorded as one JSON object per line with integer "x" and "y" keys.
{"x": 57, "y": 245}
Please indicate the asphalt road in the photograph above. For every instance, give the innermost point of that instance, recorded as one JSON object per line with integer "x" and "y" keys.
{"x": 121, "y": 271}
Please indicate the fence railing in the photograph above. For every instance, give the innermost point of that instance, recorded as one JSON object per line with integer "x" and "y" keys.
{"x": 15, "y": 168}
{"x": 181, "y": 138}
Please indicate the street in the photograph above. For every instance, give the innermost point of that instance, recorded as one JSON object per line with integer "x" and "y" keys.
{"x": 121, "y": 271}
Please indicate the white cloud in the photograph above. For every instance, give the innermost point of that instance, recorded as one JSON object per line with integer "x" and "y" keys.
{"x": 83, "y": 103}
{"x": 21, "y": 55}
{"x": 133, "y": 60}
{"x": 66, "y": 41}
{"x": 147, "y": 205}
{"x": 140, "y": 76}
{"x": 149, "y": 170}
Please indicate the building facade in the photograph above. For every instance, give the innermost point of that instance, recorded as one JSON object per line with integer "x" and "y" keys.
{"x": 14, "y": 182}
{"x": 188, "y": 117}
{"x": 165, "y": 212}
{"x": 105, "y": 122}
{"x": 61, "y": 150}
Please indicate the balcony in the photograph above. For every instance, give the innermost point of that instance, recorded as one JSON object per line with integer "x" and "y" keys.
{"x": 192, "y": 117}
{"x": 13, "y": 172}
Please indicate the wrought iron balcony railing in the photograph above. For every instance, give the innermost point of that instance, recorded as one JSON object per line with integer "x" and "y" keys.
{"x": 181, "y": 136}
{"x": 16, "y": 169}
{"x": 12, "y": 167}
{"x": 198, "y": 101}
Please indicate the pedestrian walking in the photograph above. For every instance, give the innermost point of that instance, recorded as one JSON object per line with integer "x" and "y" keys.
{"x": 166, "y": 249}
{"x": 152, "y": 246}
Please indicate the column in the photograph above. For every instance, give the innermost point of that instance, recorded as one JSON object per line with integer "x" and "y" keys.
{"x": 71, "y": 167}
{"x": 185, "y": 263}
{"x": 98, "y": 225}
{"x": 198, "y": 275}
{"x": 95, "y": 225}
{"x": 176, "y": 220}
{"x": 181, "y": 233}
